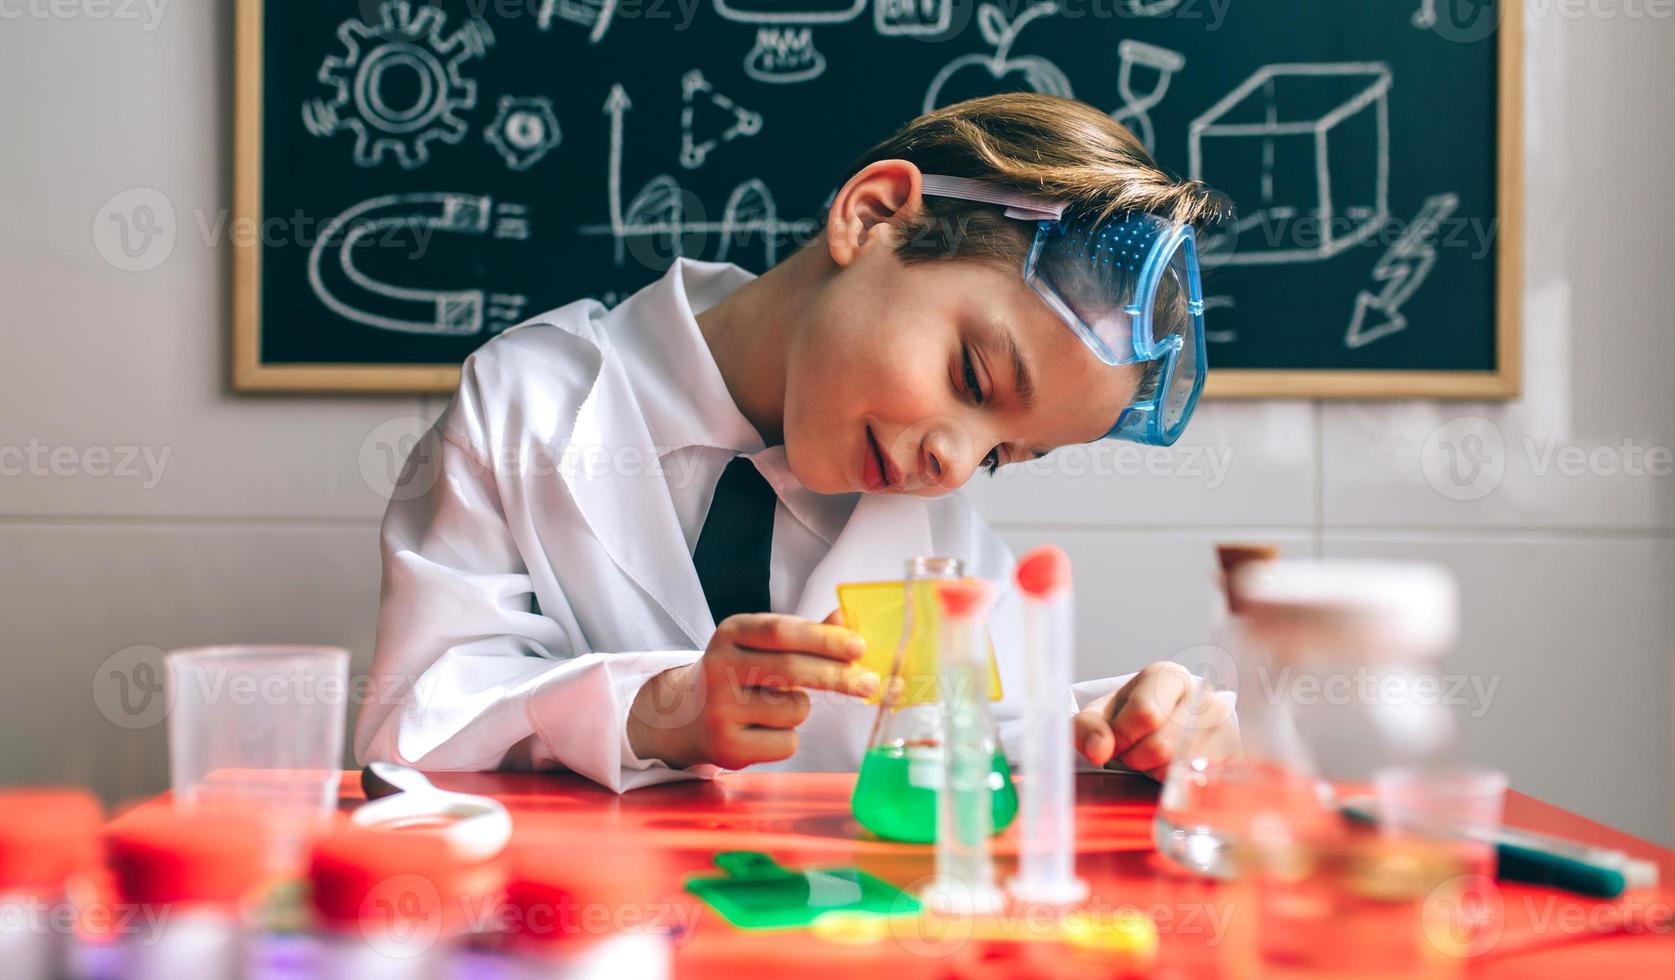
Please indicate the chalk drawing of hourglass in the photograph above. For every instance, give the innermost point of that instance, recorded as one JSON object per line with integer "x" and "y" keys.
{"x": 1136, "y": 110}
{"x": 784, "y": 51}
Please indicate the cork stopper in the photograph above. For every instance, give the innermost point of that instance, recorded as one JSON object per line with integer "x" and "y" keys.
{"x": 1234, "y": 556}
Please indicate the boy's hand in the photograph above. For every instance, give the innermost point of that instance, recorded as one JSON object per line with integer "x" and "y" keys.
{"x": 1140, "y": 724}
{"x": 741, "y": 702}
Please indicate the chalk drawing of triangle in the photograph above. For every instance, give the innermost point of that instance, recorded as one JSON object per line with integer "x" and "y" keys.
{"x": 700, "y": 99}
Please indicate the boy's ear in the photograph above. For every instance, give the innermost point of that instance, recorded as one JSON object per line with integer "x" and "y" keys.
{"x": 862, "y": 209}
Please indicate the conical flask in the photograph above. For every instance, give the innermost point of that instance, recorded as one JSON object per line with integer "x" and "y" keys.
{"x": 902, "y": 770}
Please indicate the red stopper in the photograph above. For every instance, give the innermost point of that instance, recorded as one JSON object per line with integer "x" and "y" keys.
{"x": 387, "y": 881}
{"x": 967, "y": 597}
{"x": 46, "y": 836}
{"x": 1044, "y": 572}
{"x": 543, "y": 910}
{"x": 211, "y": 858}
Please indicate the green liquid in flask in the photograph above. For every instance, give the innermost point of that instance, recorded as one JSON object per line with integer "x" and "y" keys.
{"x": 895, "y": 793}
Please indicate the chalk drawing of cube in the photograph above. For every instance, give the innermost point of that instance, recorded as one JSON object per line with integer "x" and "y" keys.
{"x": 1304, "y": 152}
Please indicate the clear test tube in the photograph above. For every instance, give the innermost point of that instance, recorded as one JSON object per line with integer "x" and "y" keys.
{"x": 965, "y": 878}
{"x": 1047, "y": 790}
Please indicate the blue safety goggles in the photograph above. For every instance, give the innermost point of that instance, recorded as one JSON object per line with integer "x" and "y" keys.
{"x": 1128, "y": 286}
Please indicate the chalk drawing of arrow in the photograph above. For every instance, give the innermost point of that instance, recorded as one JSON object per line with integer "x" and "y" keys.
{"x": 616, "y": 104}
{"x": 1402, "y": 269}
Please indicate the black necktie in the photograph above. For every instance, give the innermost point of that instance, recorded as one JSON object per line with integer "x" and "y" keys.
{"x": 736, "y": 542}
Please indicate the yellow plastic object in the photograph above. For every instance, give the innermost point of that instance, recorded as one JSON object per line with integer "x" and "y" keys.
{"x": 876, "y": 611}
{"x": 1130, "y": 935}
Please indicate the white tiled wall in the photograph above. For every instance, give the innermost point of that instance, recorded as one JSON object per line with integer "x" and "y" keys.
{"x": 260, "y": 522}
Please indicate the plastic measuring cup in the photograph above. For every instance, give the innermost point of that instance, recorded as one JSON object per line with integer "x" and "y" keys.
{"x": 262, "y": 727}
{"x": 1458, "y": 804}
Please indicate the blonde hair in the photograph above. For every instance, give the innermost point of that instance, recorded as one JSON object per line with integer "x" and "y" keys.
{"x": 1045, "y": 145}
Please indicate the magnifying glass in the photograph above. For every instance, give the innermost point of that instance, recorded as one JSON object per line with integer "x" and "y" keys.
{"x": 400, "y": 798}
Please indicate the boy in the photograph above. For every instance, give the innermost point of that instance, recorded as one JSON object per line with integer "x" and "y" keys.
{"x": 618, "y": 550}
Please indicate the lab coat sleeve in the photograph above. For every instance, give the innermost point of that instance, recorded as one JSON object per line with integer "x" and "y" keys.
{"x": 467, "y": 674}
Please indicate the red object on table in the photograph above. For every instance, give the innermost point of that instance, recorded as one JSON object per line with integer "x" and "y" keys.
{"x": 632, "y": 853}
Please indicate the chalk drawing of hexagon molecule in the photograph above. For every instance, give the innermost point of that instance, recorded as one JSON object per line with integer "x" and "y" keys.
{"x": 398, "y": 85}
{"x": 524, "y": 131}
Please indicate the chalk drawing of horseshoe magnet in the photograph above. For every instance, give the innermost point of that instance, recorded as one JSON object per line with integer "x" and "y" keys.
{"x": 410, "y": 222}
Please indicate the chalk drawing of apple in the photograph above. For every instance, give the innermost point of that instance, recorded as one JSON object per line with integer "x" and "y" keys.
{"x": 971, "y": 75}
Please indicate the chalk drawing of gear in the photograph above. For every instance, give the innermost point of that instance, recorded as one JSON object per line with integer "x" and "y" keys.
{"x": 524, "y": 131}
{"x": 381, "y": 222}
{"x": 398, "y": 85}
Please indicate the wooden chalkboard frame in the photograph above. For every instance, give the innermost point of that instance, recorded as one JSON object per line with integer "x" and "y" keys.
{"x": 1506, "y": 380}
{"x": 251, "y": 374}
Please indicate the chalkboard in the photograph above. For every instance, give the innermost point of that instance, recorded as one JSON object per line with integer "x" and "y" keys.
{"x": 426, "y": 174}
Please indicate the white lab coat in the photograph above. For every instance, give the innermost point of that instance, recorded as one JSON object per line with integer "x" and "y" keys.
{"x": 535, "y": 573}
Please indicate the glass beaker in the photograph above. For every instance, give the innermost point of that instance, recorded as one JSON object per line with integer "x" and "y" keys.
{"x": 901, "y": 771}
{"x": 1335, "y": 674}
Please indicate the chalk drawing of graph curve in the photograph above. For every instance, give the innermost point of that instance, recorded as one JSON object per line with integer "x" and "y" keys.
{"x": 658, "y": 210}
{"x": 356, "y": 296}
{"x": 1305, "y": 150}
{"x": 1403, "y": 268}
{"x": 408, "y": 46}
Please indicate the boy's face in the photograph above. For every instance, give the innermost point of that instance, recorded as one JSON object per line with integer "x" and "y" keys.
{"x": 908, "y": 378}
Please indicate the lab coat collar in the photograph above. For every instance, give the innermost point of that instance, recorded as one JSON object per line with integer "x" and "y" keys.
{"x": 869, "y": 535}
{"x": 681, "y": 392}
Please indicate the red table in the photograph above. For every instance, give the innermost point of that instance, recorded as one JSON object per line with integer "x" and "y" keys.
{"x": 648, "y": 841}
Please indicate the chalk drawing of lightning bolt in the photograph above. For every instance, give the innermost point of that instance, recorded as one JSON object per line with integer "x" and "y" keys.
{"x": 1403, "y": 269}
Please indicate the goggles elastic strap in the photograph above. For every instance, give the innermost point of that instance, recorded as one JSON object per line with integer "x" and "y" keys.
{"x": 1017, "y": 204}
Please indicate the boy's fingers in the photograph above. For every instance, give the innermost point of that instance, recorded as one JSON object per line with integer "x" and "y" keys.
{"x": 835, "y": 618}
{"x": 767, "y": 631}
{"x": 1150, "y": 703}
{"x": 785, "y": 671}
{"x": 767, "y": 708}
{"x": 1151, "y": 753}
{"x": 755, "y": 745}
{"x": 1094, "y": 738}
